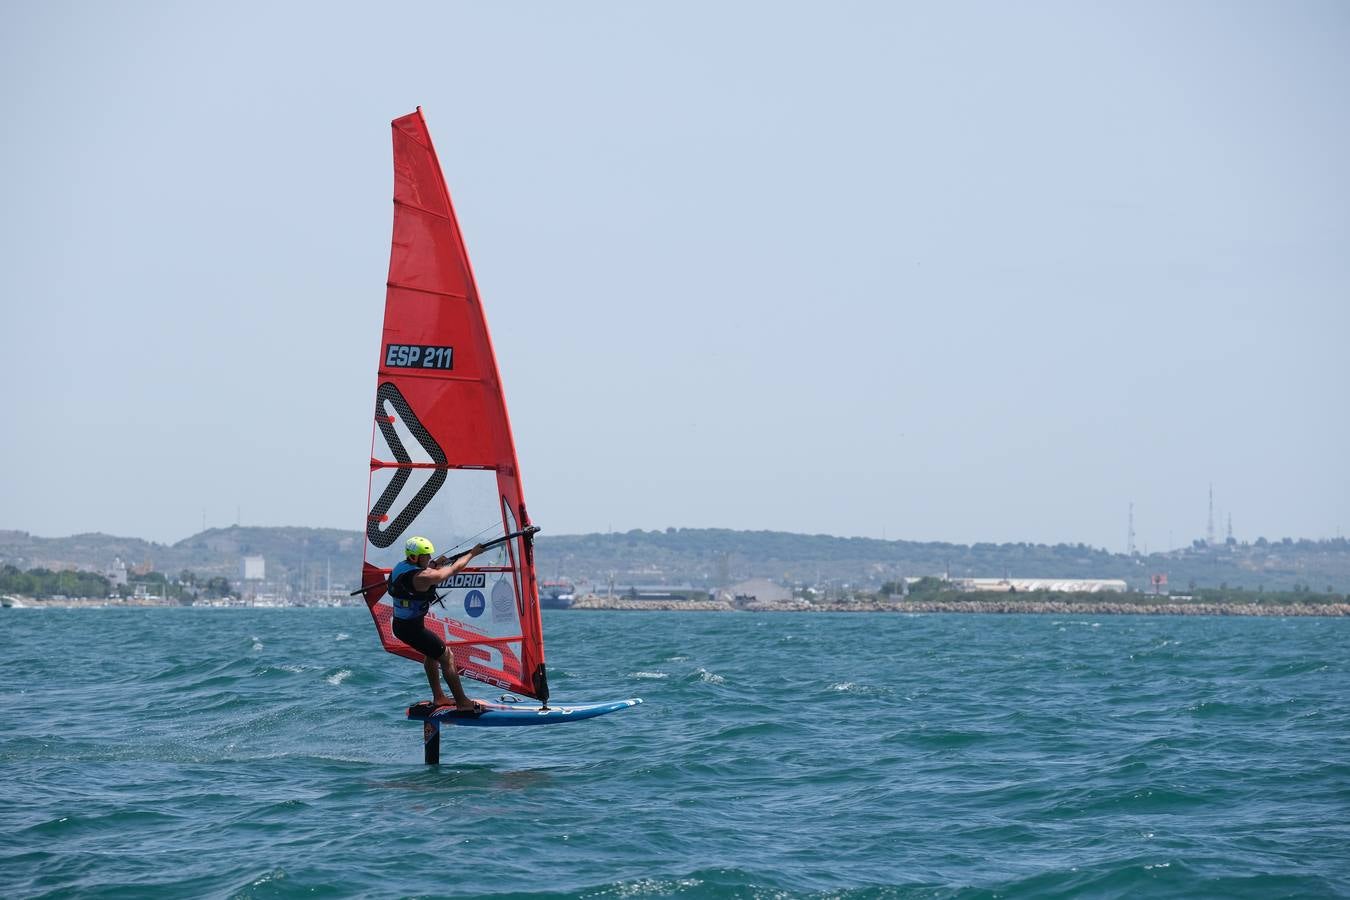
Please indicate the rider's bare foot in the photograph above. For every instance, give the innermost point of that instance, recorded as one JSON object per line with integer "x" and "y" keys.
{"x": 442, "y": 700}
{"x": 467, "y": 705}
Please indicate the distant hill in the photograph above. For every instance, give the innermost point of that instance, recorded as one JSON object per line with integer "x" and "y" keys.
{"x": 714, "y": 557}
{"x": 216, "y": 551}
{"x": 707, "y": 556}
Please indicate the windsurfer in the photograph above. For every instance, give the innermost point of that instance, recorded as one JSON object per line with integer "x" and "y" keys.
{"x": 412, "y": 588}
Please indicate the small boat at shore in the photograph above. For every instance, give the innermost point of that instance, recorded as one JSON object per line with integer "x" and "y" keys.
{"x": 557, "y": 594}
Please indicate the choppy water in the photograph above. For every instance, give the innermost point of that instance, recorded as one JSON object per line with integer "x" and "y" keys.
{"x": 222, "y": 753}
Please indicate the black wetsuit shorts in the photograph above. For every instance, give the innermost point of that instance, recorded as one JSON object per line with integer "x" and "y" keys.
{"x": 417, "y": 636}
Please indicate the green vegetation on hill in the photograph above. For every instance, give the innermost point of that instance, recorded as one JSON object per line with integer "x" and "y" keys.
{"x": 297, "y": 556}
{"x": 44, "y": 583}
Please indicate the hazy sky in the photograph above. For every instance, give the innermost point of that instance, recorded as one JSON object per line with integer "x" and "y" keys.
{"x": 943, "y": 271}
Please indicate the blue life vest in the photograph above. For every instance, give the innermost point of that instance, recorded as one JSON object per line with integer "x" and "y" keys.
{"x": 409, "y": 603}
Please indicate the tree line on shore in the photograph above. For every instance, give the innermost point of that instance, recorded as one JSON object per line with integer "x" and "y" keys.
{"x": 44, "y": 584}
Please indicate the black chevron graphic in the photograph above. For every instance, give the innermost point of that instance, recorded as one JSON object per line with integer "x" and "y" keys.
{"x": 383, "y": 537}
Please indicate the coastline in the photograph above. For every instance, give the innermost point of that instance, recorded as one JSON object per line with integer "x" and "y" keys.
{"x": 987, "y": 607}
{"x": 1029, "y": 607}
{"x": 20, "y": 602}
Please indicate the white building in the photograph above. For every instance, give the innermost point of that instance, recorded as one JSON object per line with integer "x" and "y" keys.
{"x": 1063, "y": 585}
{"x": 117, "y": 573}
{"x": 254, "y": 568}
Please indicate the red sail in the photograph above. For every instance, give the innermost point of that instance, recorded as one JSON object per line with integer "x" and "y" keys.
{"x": 443, "y": 462}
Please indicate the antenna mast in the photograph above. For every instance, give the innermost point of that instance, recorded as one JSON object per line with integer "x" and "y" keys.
{"x": 1129, "y": 541}
{"x": 1209, "y": 532}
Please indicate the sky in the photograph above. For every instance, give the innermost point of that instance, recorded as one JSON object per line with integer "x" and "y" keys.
{"x": 963, "y": 272}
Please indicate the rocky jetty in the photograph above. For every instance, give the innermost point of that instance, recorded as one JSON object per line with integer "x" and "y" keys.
{"x": 594, "y": 602}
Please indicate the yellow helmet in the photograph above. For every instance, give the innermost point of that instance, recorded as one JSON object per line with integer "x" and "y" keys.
{"x": 418, "y": 546}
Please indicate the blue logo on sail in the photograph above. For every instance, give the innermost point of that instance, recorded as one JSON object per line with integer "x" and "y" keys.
{"x": 474, "y": 603}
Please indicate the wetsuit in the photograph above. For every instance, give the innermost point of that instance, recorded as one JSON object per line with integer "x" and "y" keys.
{"x": 410, "y": 608}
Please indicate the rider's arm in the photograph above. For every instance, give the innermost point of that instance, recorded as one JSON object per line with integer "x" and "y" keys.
{"x": 430, "y": 577}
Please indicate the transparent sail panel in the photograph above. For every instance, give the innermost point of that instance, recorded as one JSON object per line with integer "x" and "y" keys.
{"x": 481, "y": 601}
{"x": 462, "y": 510}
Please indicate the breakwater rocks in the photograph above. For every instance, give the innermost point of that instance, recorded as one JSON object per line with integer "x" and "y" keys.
{"x": 639, "y": 605}
{"x": 1044, "y": 607}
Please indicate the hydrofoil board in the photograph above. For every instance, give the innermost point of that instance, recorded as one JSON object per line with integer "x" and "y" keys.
{"x": 523, "y": 713}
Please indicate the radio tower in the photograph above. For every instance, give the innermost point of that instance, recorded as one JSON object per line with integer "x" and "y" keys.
{"x": 1129, "y": 542}
{"x": 1209, "y": 532}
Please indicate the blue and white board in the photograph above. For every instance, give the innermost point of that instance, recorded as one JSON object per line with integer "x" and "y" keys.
{"x": 523, "y": 713}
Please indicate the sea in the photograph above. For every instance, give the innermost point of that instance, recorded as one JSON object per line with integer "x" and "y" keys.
{"x": 256, "y": 753}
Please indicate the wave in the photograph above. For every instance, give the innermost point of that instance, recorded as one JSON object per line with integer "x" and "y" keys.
{"x": 876, "y": 756}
